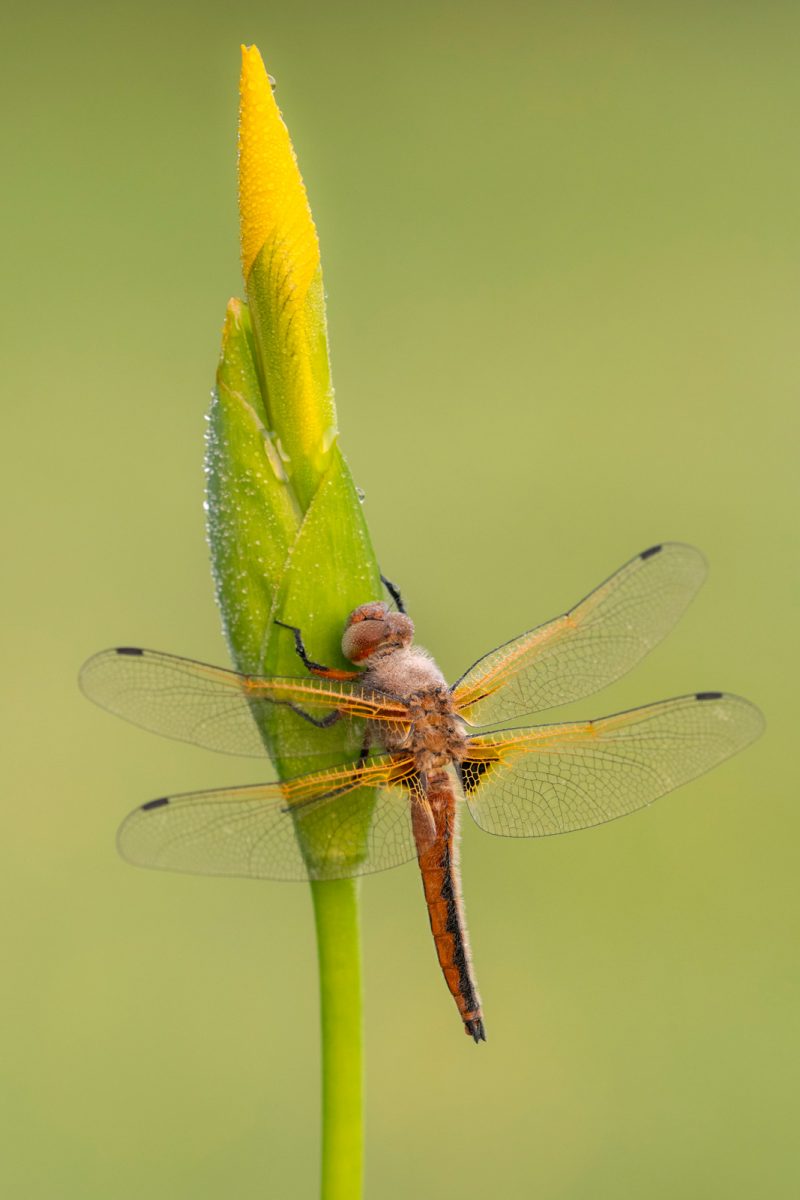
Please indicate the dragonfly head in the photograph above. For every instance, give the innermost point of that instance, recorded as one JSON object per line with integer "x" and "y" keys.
{"x": 373, "y": 631}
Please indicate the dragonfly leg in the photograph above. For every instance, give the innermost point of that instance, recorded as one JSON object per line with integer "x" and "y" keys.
{"x": 320, "y": 722}
{"x": 314, "y": 667}
{"x": 394, "y": 592}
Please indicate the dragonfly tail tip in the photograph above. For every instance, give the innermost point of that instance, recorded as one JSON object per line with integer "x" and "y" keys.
{"x": 476, "y": 1029}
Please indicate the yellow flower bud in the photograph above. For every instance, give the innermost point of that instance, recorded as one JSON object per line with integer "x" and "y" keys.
{"x": 273, "y": 206}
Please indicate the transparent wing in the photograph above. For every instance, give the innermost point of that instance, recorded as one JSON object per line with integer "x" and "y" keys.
{"x": 218, "y": 709}
{"x": 555, "y": 778}
{"x": 589, "y": 647}
{"x": 328, "y": 825}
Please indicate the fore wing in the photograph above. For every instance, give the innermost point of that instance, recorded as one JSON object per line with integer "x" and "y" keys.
{"x": 212, "y": 707}
{"x": 588, "y": 647}
{"x": 332, "y": 824}
{"x": 556, "y": 778}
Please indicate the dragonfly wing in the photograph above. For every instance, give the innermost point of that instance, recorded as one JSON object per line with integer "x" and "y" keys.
{"x": 219, "y": 709}
{"x": 588, "y": 647}
{"x": 328, "y": 825}
{"x": 556, "y": 778}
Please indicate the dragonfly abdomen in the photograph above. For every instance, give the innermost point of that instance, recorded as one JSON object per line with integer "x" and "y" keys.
{"x": 441, "y": 880}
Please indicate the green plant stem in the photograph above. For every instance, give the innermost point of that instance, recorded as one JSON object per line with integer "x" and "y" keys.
{"x": 337, "y": 916}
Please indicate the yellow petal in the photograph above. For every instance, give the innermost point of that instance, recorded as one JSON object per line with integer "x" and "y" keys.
{"x": 272, "y": 200}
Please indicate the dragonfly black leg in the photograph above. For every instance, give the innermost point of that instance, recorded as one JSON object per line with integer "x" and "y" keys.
{"x": 314, "y": 667}
{"x": 320, "y": 722}
{"x": 299, "y": 646}
{"x": 394, "y": 592}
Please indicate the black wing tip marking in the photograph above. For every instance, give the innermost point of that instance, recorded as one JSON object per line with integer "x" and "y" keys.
{"x": 476, "y": 1030}
{"x": 708, "y": 695}
{"x": 129, "y": 650}
{"x": 151, "y": 804}
{"x": 651, "y": 550}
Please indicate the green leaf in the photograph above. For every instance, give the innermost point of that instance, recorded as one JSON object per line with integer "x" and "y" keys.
{"x": 253, "y": 518}
{"x": 292, "y": 352}
{"x": 273, "y": 563}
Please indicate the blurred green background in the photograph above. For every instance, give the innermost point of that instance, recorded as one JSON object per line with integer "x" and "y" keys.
{"x": 561, "y": 252}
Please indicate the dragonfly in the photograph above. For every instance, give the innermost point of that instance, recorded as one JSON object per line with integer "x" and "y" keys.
{"x": 422, "y": 750}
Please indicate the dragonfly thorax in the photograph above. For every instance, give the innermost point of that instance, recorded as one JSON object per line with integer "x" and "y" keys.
{"x": 435, "y": 735}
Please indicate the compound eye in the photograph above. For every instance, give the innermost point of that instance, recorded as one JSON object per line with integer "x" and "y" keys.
{"x": 362, "y": 637}
{"x": 367, "y": 612}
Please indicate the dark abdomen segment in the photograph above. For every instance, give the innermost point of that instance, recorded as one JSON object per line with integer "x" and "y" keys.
{"x": 441, "y": 880}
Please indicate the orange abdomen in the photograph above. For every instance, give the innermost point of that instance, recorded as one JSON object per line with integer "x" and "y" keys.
{"x": 441, "y": 880}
